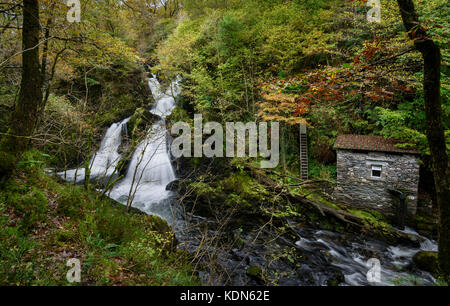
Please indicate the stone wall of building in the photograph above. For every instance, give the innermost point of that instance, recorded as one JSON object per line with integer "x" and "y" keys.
{"x": 357, "y": 188}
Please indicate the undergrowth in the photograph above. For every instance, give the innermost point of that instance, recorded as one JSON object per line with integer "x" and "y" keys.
{"x": 43, "y": 223}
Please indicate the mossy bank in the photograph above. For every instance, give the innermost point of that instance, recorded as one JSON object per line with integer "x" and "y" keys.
{"x": 43, "y": 223}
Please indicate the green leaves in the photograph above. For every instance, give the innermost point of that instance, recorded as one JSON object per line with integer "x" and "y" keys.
{"x": 398, "y": 124}
{"x": 230, "y": 36}
{"x": 33, "y": 160}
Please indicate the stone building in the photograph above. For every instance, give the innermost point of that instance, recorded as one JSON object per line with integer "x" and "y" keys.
{"x": 368, "y": 166}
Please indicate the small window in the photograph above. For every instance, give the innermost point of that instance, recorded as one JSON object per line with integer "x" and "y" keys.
{"x": 376, "y": 171}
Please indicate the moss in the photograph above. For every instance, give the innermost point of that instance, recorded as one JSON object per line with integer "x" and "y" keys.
{"x": 236, "y": 190}
{"x": 7, "y": 164}
{"x": 371, "y": 217}
{"x": 338, "y": 279}
{"x": 43, "y": 223}
{"x": 159, "y": 224}
{"x": 317, "y": 197}
{"x": 246, "y": 188}
{"x": 69, "y": 202}
{"x": 427, "y": 261}
{"x": 29, "y": 202}
{"x": 178, "y": 114}
{"x": 140, "y": 121}
{"x": 374, "y": 224}
{"x": 254, "y": 271}
{"x": 426, "y": 225}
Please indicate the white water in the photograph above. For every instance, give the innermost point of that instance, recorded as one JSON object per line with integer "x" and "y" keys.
{"x": 425, "y": 243}
{"x": 353, "y": 260}
{"x": 165, "y": 102}
{"x": 105, "y": 160}
{"x": 150, "y": 169}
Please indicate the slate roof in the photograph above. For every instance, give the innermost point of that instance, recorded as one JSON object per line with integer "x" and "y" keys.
{"x": 370, "y": 143}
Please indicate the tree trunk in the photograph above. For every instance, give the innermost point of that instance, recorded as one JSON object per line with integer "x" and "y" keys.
{"x": 435, "y": 130}
{"x": 30, "y": 96}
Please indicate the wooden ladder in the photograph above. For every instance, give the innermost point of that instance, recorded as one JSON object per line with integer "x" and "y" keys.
{"x": 303, "y": 153}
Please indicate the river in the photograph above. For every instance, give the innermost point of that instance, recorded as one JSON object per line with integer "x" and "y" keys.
{"x": 312, "y": 257}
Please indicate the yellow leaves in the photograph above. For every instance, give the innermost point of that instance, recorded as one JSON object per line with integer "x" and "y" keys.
{"x": 278, "y": 97}
{"x": 280, "y": 106}
{"x": 290, "y": 121}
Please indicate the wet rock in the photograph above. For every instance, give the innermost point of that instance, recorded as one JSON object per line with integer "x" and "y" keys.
{"x": 305, "y": 275}
{"x": 255, "y": 272}
{"x": 141, "y": 120}
{"x": 180, "y": 186}
{"x": 337, "y": 279}
{"x": 427, "y": 261}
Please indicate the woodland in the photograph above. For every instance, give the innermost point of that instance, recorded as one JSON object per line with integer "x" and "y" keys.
{"x": 66, "y": 82}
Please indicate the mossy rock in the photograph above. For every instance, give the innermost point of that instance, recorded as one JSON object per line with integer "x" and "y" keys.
{"x": 255, "y": 272}
{"x": 141, "y": 120}
{"x": 336, "y": 280}
{"x": 236, "y": 191}
{"x": 137, "y": 127}
{"x": 160, "y": 225}
{"x": 425, "y": 225}
{"x": 177, "y": 115}
{"x": 427, "y": 261}
{"x": 180, "y": 186}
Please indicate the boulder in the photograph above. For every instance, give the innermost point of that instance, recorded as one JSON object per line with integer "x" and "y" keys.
{"x": 427, "y": 261}
{"x": 136, "y": 128}
{"x": 141, "y": 121}
{"x": 255, "y": 272}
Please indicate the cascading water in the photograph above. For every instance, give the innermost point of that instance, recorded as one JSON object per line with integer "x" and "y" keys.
{"x": 303, "y": 257}
{"x": 105, "y": 160}
{"x": 150, "y": 168}
{"x": 425, "y": 243}
{"x": 352, "y": 257}
{"x": 144, "y": 187}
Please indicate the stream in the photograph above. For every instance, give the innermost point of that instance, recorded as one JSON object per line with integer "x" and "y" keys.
{"x": 326, "y": 257}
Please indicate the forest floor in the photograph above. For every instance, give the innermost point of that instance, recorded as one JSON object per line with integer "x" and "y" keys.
{"x": 44, "y": 223}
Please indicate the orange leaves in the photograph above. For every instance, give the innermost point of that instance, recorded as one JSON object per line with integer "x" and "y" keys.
{"x": 279, "y": 104}
{"x": 302, "y": 108}
{"x": 372, "y": 48}
{"x": 369, "y": 53}
{"x": 367, "y": 79}
{"x": 418, "y": 32}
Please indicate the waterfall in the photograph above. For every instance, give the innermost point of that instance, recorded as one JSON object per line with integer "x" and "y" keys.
{"x": 150, "y": 169}
{"x": 105, "y": 160}
{"x": 165, "y": 102}
{"x": 425, "y": 243}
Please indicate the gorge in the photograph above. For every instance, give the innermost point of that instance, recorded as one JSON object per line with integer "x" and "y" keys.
{"x": 329, "y": 257}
